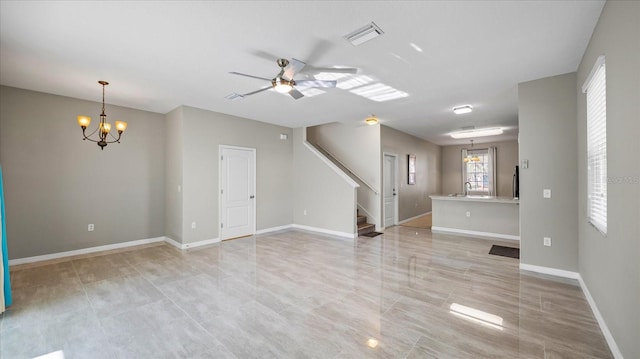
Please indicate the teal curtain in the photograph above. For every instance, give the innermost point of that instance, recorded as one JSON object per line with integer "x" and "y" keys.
{"x": 5, "y": 253}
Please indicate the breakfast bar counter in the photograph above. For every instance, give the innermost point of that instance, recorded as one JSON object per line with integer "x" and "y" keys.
{"x": 477, "y": 216}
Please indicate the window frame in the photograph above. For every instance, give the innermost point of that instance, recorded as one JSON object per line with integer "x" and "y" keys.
{"x": 490, "y": 171}
{"x": 595, "y": 90}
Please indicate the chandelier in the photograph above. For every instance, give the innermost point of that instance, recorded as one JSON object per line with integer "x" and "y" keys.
{"x": 471, "y": 158}
{"x": 104, "y": 127}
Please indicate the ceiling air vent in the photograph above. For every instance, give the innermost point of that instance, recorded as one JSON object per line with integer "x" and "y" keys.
{"x": 364, "y": 34}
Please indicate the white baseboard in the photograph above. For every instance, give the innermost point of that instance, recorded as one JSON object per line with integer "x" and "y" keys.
{"x": 592, "y": 303}
{"x": 325, "y": 231}
{"x": 414, "y": 217}
{"x": 274, "y": 229}
{"x": 191, "y": 245}
{"x": 603, "y": 325}
{"x": 468, "y": 233}
{"x": 550, "y": 271}
{"x": 77, "y": 252}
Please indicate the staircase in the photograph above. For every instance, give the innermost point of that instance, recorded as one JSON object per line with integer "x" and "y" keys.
{"x": 363, "y": 226}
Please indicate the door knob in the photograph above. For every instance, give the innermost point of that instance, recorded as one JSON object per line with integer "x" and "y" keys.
{"x": 252, "y": 197}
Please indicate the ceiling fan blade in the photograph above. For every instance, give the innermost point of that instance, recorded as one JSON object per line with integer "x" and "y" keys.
{"x": 253, "y": 77}
{"x": 331, "y": 70}
{"x": 316, "y": 83}
{"x": 319, "y": 49}
{"x": 295, "y": 93}
{"x": 258, "y": 91}
{"x": 265, "y": 55}
{"x": 293, "y": 68}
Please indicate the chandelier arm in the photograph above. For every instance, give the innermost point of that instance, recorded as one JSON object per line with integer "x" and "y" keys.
{"x": 87, "y": 137}
{"x": 114, "y": 137}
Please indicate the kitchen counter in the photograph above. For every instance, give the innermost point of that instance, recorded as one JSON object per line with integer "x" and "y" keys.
{"x": 476, "y": 216}
{"x": 475, "y": 198}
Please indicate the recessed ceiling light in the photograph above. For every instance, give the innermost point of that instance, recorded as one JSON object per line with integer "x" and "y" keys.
{"x": 364, "y": 34}
{"x": 480, "y": 132}
{"x": 462, "y": 109}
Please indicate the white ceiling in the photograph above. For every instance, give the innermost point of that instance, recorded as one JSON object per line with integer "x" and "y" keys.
{"x": 159, "y": 55}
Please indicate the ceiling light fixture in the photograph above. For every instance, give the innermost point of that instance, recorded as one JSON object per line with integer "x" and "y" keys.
{"x": 471, "y": 158}
{"x": 364, "y": 34}
{"x": 372, "y": 343}
{"x": 282, "y": 85}
{"x": 104, "y": 127}
{"x": 372, "y": 120}
{"x": 279, "y": 83}
{"x": 462, "y": 109}
{"x": 480, "y": 132}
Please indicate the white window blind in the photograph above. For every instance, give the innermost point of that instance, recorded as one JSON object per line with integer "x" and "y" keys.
{"x": 596, "y": 90}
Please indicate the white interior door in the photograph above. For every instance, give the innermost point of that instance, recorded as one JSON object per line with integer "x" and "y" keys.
{"x": 389, "y": 190}
{"x": 237, "y": 192}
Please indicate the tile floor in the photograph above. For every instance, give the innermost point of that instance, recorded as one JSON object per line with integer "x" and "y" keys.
{"x": 405, "y": 294}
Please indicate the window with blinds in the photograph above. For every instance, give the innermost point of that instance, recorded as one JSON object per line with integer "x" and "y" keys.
{"x": 596, "y": 90}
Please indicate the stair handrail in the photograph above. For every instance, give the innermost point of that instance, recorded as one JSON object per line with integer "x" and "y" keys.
{"x": 365, "y": 183}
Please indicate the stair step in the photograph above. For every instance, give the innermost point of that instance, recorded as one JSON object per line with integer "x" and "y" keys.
{"x": 364, "y": 228}
{"x": 362, "y": 219}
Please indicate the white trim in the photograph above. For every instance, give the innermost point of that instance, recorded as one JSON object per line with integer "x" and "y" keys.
{"x": 274, "y": 229}
{"x": 551, "y": 271}
{"x": 77, "y": 252}
{"x": 603, "y": 326}
{"x": 414, "y": 217}
{"x": 592, "y": 303}
{"x": 182, "y": 246}
{"x": 468, "y": 233}
{"x": 325, "y": 231}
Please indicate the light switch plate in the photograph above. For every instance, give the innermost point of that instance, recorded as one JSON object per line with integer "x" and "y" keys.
{"x": 547, "y": 241}
{"x": 546, "y": 193}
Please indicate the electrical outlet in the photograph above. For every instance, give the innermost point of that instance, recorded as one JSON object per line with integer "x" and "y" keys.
{"x": 547, "y": 241}
{"x": 90, "y": 227}
{"x": 193, "y": 225}
{"x": 546, "y": 193}
{"x": 468, "y": 214}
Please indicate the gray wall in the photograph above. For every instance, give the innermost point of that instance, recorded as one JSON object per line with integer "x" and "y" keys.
{"x": 329, "y": 200}
{"x": 358, "y": 147}
{"x": 610, "y": 266}
{"x": 203, "y": 132}
{"x": 413, "y": 200}
{"x": 56, "y": 184}
{"x": 173, "y": 175}
{"x": 506, "y": 158}
{"x": 548, "y": 140}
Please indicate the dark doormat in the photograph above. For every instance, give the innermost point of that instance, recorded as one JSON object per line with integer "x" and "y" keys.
{"x": 371, "y": 234}
{"x": 505, "y": 251}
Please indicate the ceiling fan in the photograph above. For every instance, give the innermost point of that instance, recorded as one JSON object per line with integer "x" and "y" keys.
{"x": 284, "y": 82}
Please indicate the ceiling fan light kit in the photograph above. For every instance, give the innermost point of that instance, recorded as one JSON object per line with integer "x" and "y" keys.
{"x": 284, "y": 82}
{"x": 282, "y": 85}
